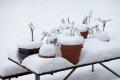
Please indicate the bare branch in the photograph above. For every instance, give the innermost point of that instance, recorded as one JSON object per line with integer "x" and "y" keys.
{"x": 63, "y": 21}
{"x": 32, "y": 28}
{"x": 68, "y": 20}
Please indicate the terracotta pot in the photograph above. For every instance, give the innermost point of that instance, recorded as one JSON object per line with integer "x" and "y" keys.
{"x": 23, "y": 53}
{"x": 84, "y": 34}
{"x": 71, "y": 52}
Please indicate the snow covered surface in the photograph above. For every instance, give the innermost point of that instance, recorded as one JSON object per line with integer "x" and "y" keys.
{"x": 26, "y": 44}
{"x": 70, "y": 40}
{"x": 101, "y": 36}
{"x": 13, "y": 54}
{"x": 9, "y": 68}
{"x": 47, "y": 50}
{"x": 116, "y": 79}
{"x": 41, "y": 65}
{"x": 95, "y": 50}
{"x": 104, "y": 51}
{"x": 16, "y": 14}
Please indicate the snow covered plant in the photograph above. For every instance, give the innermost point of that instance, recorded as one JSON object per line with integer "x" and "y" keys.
{"x": 28, "y": 47}
{"x": 48, "y": 50}
{"x": 103, "y": 22}
{"x": 87, "y": 18}
{"x": 99, "y": 34}
{"x": 32, "y": 28}
{"x": 84, "y": 28}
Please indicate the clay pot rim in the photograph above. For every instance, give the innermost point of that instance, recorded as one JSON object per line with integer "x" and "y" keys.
{"x": 28, "y": 48}
{"x": 46, "y": 56}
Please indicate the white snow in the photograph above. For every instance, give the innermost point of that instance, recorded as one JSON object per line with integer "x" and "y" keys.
{"x": 83, "y": 28}
{"x": 116, "y": 79}
{"x": 101, "y": 36}
{"x": 47, "y": 50}
{"x": 13, "y": 54}
{"x": 16, "y": 14}
{"x": 8, "y": 68}
{"x": 11, "y": 69}
{"x": 66, "y": 32}
{"x": 95, "y": 50}
{"x": 40, "y": 65}
{"x": 70, "y": 40}
{"x": 26, "y": 44}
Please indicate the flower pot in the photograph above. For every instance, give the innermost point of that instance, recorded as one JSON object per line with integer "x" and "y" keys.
{"x": 71, "y": 52}
{"x": 23, "y": 53}
{"x": 84, "y": 30}
{"x": 27, "y": 48}
{"x": 84, "y": 34}
{"x": 71, "y": 47}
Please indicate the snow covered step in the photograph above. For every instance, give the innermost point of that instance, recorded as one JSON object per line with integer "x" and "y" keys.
{"x": 41, "y": 65}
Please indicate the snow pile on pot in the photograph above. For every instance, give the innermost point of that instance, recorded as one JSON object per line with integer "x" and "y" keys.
{"x": 47, "y": 51}
{"x": 26, "y": 44}
{"x": 70, "y": 40}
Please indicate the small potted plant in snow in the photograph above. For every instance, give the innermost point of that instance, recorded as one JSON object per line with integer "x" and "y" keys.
{"x": 71, "y": 45}
{"x": 49, "y": 49}
{"x": 29, "y": 47}
{"x": 84, "y": 29}
{"x": 66, "y": 26}
{"x": 101, "y": 34}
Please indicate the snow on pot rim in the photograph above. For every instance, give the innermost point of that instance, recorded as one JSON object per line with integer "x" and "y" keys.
{"x": 83, "y": 28}
{"x": 70, "y": 40}
{"x": 47, "y": 50}
{"x": 29, "y": 44}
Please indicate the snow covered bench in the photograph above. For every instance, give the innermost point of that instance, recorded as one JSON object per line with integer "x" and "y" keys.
{"x": 10, "y": 70}
{"x": 94, "y": 51}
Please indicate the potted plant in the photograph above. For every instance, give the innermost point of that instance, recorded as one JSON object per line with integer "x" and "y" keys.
{"x": 26, "y": 47}
{"x": 71, "y": 46}
{"x": 49, "y": 49}
{"x": 84, "y": 29}
{"x": 101, "y": 34}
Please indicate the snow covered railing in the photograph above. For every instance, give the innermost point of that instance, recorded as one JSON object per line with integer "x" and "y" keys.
{"x": 94, "y": 51}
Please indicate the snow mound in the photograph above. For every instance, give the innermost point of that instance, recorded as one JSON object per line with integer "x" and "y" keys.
{"x": 29, "y": 44}
{"x": 41, "y": 65}
{"x": 95, "y": 50}
{"x": 70, "y": 40}
{"x": 47, "y": 50}
{"x": 66, "y": 32}
{"x": 102, "y": 36}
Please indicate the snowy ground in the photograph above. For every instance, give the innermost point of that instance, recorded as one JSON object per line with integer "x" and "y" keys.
{"x": 16, "y": 14}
